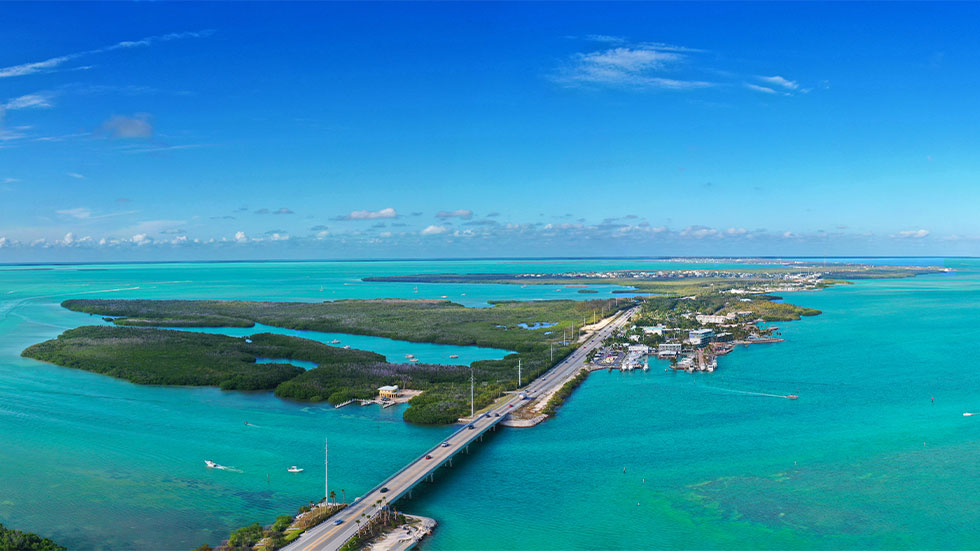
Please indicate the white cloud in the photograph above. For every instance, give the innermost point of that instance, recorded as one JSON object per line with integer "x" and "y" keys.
{"x": 54, "y": 62}
{"x": 465, "y": 214}
{"x": 241, "y": 237}
{"x": 141, "y": 239}
{"x": 121, "y": 126}
{"x": 75, "y": 175}
{"x": 4, "y": 242}
{"x": 912, "y": 234}
{"x": 605, "y": 38}
{"x": 322, "y": 234}
{"x": 699, "y": 232}
{"x": 39, "y": 100}
{"x": 80, "y": 213}
{"x": 628, "y": 66}
{"x": 434, "y": 230}
{"x": 757, "y": 88}
{"x": 370, "y": 215}
{"x": 777, "y": 80}
{"x": 279, "y": 237}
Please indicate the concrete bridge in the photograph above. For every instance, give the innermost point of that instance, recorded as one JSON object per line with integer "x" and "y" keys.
{"x": 330, "y": 536}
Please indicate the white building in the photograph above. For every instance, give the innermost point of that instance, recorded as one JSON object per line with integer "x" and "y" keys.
{"x": 653, "y": 330}
{"x": 699, "y": 337}
{"x": 639, "y": 349}
{"x": 704, "y": 319}
{"x": 668, "y": 350}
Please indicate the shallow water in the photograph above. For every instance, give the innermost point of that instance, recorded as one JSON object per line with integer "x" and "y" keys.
{"x": 863, "y": 458}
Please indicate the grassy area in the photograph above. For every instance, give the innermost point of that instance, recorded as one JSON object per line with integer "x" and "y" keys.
{"x": 157, "y": 356}
{"x": 15, "y": 540}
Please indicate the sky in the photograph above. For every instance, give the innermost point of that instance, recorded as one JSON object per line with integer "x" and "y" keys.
{"x": 187, "y": 131}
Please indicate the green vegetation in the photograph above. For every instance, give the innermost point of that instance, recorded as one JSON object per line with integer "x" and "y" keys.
{"x": 160, "y": 356}
{"x": 558, "y": 398}
{"x": 15, "y": 540}
{"x": 167, "y": 357}
{"x": 244, "y": 538}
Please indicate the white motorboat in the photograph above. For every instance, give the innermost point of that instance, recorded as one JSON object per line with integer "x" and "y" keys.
{"x": 335, "y": 341}
{"x": 294, "y": 469}
{"x": 211, "y": 464}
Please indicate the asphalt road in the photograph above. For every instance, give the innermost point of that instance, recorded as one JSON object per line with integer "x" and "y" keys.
{"x": 330, "y": 537}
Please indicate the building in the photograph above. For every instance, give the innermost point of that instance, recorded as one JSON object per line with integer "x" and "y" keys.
{"x": 669, "y": 350}
{"x": 723, "y": 337}
{"x": 639, "y": 349}
{"x": 389, "y": 391}
{"x": 700, "y": 337}
{"x": 653, "y": 330}
{"x": 703, "y": 319}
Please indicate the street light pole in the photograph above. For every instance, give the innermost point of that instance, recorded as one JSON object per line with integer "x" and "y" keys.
{"x": 472, "y": 404}
{"x": 518, "y": 373}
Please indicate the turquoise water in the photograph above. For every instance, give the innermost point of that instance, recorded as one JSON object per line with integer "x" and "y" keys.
{"x": 864, "y": 458}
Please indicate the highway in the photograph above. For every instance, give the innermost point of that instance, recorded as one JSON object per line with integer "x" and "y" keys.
{"x": 329, "y": 536}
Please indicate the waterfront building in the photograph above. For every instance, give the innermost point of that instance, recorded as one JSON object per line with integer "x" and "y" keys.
{"x": 389, "y": 391}
{"x": 669, "y": 350}
{"x": 699, "y": 337}
{"x": 723, "y": 337}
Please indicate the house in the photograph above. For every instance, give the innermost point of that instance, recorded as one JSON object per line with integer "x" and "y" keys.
{"x": 389, "y": 391}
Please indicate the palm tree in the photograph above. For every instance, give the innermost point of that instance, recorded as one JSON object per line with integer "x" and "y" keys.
{"x": 344, "y": 494}
{"x": 333, "y": 496}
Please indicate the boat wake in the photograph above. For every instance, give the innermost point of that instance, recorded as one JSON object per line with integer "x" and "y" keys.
{"x": 751, "y": 393}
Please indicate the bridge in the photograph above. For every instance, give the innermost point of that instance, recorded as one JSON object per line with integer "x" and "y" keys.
{"x": 330, "y": 536}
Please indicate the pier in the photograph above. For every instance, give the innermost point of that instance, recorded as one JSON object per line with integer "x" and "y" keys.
{"x": 330, "y": 536}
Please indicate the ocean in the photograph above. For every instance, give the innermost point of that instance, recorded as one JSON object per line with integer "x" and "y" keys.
{"x": 875, "y": 453}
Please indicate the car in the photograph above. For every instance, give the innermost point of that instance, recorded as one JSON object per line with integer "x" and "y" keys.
{"x": 471, "y": 427}
{"x": 445, "y": 444}
{"x": 427, "y": 456}
{"x": 338, "y": 522}
{"x": 510, "y": 405}
{"x": 496, "y": 415}
{"x": 356, "y": 499}
{"x": 384, "y": 490}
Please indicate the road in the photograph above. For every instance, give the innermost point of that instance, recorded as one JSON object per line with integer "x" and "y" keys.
{"x": 330, "y": 537}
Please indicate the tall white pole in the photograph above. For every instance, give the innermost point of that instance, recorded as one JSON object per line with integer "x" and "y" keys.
{"x": 518, "y": 373}
{"x": 472, "y": 405}
{"x": 326, "y": 488}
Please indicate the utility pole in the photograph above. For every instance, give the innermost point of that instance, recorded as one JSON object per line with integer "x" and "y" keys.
{"x": 326, "y": 488}
{"x": 472, "y": 404}
{"x": 518, "y": 373}
{"x": 552, "y": 351}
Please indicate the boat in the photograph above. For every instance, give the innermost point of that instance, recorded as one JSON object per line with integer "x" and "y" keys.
{"x": 792, "y": 397}
{"x": 414, "y": 360}
{"x": 453, "y": 356}
{"x": 294, "y": 469}
{"x": 409, "y": 356}
{"x": 346, "y": 347}
{"x": 335, "y": 341}
{"x": 211, "y": 464}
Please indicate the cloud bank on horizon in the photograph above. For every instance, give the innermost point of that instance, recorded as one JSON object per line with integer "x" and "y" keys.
{"x": 600, "y": 134}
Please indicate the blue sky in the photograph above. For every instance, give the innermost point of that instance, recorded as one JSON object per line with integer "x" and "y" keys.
{"x": 196, "y": 131}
